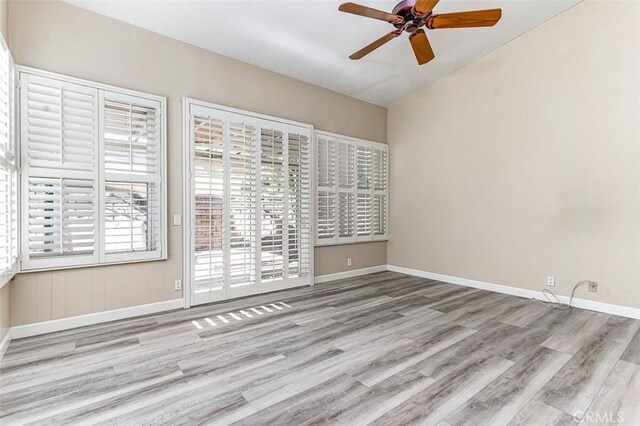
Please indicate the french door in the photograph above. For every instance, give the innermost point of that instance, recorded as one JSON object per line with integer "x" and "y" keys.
{"x": 248, "y": 197}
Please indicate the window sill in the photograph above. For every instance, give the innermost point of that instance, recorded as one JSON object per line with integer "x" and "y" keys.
{"x": 343, "y": 243}
{"x": 4, "y": 280}
{"x": 94, "y": 265}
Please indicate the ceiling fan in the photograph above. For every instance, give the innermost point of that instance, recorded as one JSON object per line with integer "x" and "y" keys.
{"x": 411, "y": 16}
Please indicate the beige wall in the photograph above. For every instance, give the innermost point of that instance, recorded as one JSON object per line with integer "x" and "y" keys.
{"x": 330, "y": 260}
{"x": 526, "y": 163}
{"x": 5, "y": 311}
{"x": 76, "y": 42}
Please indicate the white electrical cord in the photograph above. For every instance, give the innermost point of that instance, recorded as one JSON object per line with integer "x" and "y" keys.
{"x": 557, "y": 304}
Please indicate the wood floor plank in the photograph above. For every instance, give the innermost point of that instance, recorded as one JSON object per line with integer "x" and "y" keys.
{"x": 391, "y": 363}
{"x": 433, "y": 404}
{"x": 539, "y": 413}
{"x": 502, "y": 399}
{"x": 573, "y": 388}
{"x": 619, "y": 398}
{"x": 377, "y": 401}
{"x": 526, "y": 315}
{"x": 632, "y": 352}
{"x": 307, "y": 404}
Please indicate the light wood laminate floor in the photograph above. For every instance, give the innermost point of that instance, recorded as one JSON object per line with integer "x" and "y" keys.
{"x": 384, "y": 349}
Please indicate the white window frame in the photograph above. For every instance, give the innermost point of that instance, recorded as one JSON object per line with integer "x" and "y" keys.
{"x": 99, "y": 256}
{"x": 355, "y": 142}
{"x": 10, "y": 161}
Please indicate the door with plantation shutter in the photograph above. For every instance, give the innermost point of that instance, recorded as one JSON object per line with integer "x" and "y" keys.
{"x": 249, "y": 203}
{"x": 59, "y": 126}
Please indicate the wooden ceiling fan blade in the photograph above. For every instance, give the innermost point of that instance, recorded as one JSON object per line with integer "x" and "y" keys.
{"x": 475, "y": 18}
{"x": 369, "y": 12}
{"x": 425, "y": 6}
{"x": 421, "y": 47}
{"x": 373, "y": 46}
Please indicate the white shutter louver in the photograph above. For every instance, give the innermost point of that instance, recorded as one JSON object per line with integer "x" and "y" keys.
{"x": 61, "y": 217}
{"x": 243, "y": 202}
{"x": 5, "y": 221}
{"x": 363, "y": 201}
{"x": 379, "y": 181}
{"x": 353, "y": 205}
{"x": 272, "y": 171}
{"x": 131, "y": 137}
{"x": 130, "y": 217}
{"x": 8, "y": 171}
{"x": 208, "y": 191}
{"x": 130, "y": 130}
{"x": 60, "y": 173}
{"x": 60, "y": 124}
{"x": 299, "y": 218}
{"x": 346, "y": 183}
{"x": 325, "y": 193}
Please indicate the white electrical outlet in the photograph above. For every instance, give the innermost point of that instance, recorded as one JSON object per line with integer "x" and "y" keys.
{"x": 348, "y": 261}
{"x": 177, "y": 285}
{"x": 551, "y": 281}
{"x": 177, "y": 220}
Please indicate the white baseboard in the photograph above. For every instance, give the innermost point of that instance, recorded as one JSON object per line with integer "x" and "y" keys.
{"x": 4, "y": 345}
{"x": 349, "y": 274}
{"x": 35, "y": 329}
{"x": 591, "y": 305}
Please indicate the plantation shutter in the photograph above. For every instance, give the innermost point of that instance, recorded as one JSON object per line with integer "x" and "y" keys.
{"x": 59, "y": 130}
{"x": 379, "y": 182}
{"x": 61, "y": 124}
{"x": 243, "y": 202}
{"x": 250, "y": 184}
{"x": 8, "y": 172}
{"x": 364, "y": 184}
{"x": 346, "y": 184}
{"x": 273, "y": 225}
{"x": 326, "y": 188}
{"x": 299, "y": 203}
{"x": 209, "y": 239}
{"x": 352, "y": 193}
{"x": 131, "y": 146}
{"x": 92, "y": 162}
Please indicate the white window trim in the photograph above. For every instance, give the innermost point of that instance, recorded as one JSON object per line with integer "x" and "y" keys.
{"x": 337, "y": 240}
{"x": 98, "y": 258}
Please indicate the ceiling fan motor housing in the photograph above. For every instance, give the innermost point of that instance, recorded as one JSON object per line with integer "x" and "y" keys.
{"x": 411, "y": 21}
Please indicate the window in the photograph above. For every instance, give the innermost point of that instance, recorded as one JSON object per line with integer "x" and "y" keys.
{"x": 93, "y": 161}
{"x": 351, "y": 190}
{"x": 8, "y": 171}
{"x": 249, "y": 189}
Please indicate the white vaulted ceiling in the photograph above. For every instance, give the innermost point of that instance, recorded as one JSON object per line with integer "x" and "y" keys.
{"x": 311, "y": 40}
